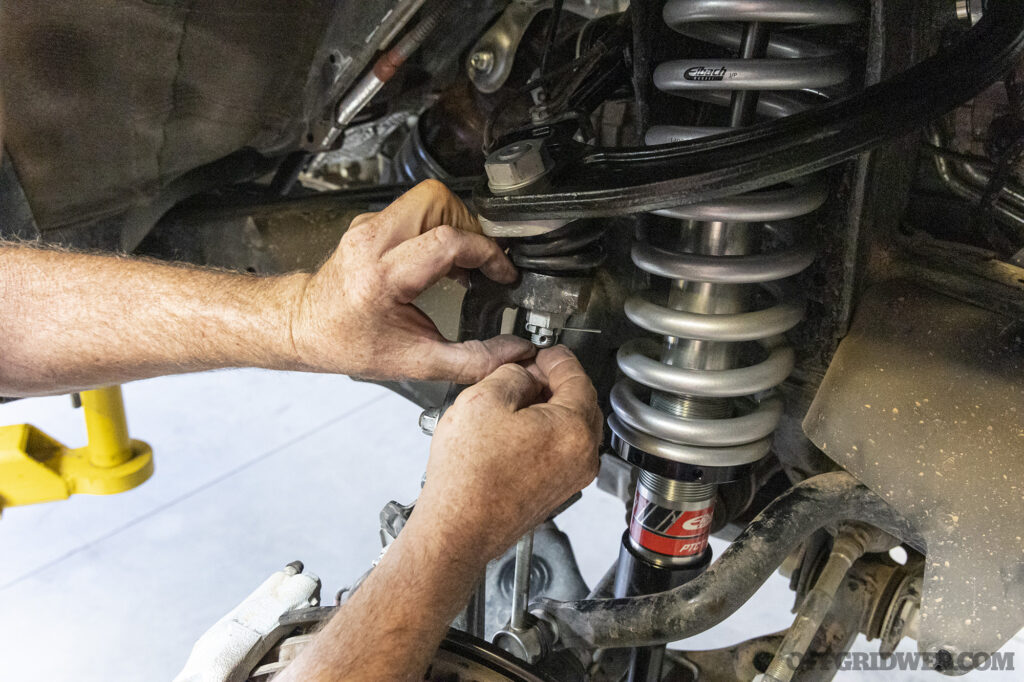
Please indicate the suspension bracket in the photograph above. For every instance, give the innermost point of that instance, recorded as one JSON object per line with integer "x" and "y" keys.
{"x": 592, "y": 182}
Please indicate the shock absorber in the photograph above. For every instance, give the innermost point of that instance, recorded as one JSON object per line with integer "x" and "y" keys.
{"x": 697, "y": 408}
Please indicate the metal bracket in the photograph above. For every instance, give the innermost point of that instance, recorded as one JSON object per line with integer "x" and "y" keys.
{"x": 490, "y": 61}
{"x": 922, "y": 403}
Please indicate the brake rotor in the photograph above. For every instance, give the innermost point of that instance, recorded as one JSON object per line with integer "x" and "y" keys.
{"x": 459, "y": 658}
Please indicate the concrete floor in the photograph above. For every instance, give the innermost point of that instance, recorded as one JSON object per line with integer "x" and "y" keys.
{"x": 253, "y": 469}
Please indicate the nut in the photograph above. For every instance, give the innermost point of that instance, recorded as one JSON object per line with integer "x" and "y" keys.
{"x": 517, "y": 165}
{"x": 544, "y": 327}
{"x": 531, "y": 643}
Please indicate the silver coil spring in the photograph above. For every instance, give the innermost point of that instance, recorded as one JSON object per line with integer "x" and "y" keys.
{"x": 705, "y": 407}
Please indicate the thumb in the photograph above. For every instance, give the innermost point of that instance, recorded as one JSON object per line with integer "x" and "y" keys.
{"x": 470, "y": 361}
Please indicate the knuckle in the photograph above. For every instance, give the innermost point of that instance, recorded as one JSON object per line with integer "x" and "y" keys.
{"x": 447, "y": 236}
{"x": 476, "y": 360}
{"x": 578, "y": 436}
{"x": 512, "y": 369}
{"x": 506, "y": 382}
{"x": 480, "y": 392}
{"x": 434, "y": 188}
{"x": 468, "y": 403}
{"x": 358, "y": 233}
{"x": 361, "y": 219}
{"x": 350, "y": 237}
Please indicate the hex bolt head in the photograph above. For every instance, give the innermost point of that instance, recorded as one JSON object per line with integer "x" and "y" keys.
{"x": 482, "y": 61}
{"x": 428, "y": 420}
{"x": 544, "y": 327}
{"x": 517, "y": 165}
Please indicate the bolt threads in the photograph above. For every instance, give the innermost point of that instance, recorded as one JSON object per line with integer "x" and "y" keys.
{"x": 672, "y": 491}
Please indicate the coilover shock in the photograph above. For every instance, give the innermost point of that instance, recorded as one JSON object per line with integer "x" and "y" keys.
{"x": 693, "y": 410}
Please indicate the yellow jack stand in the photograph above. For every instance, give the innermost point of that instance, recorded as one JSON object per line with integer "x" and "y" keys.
{"x": 35, "y": 468}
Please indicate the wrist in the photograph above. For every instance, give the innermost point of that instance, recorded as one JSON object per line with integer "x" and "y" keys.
{"x": 463, "y": 535}
{"x": 283, "y": 322}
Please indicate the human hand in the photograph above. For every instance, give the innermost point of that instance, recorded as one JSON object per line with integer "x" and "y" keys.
{"x": 355, "y": 314}
{"x": 510, "y": 450}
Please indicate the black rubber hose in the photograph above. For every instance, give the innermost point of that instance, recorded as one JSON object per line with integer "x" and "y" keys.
{"x": 592, "y": 183}
{"x": 729, "y": 582}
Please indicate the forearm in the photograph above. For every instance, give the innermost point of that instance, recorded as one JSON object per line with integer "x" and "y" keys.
{"x": 391, "y": 627}
{"x": 70, "y": 321}
{"x": 499, "y": 463}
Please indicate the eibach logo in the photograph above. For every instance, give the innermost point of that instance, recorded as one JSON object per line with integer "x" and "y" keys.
{"x": 704, "y": 73}
{"x": 670, "y": 531}
{"x": 698, "y": 522}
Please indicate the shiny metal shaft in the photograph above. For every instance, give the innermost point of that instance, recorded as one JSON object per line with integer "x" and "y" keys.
{"x": 849, "y": 545}
{"x": 521, "y": 582}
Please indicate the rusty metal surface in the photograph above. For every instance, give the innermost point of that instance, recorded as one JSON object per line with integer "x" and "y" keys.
{"x": 924, "y": 403}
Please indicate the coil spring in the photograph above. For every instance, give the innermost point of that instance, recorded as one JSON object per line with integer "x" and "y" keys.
{"x": 701, "y": 410}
